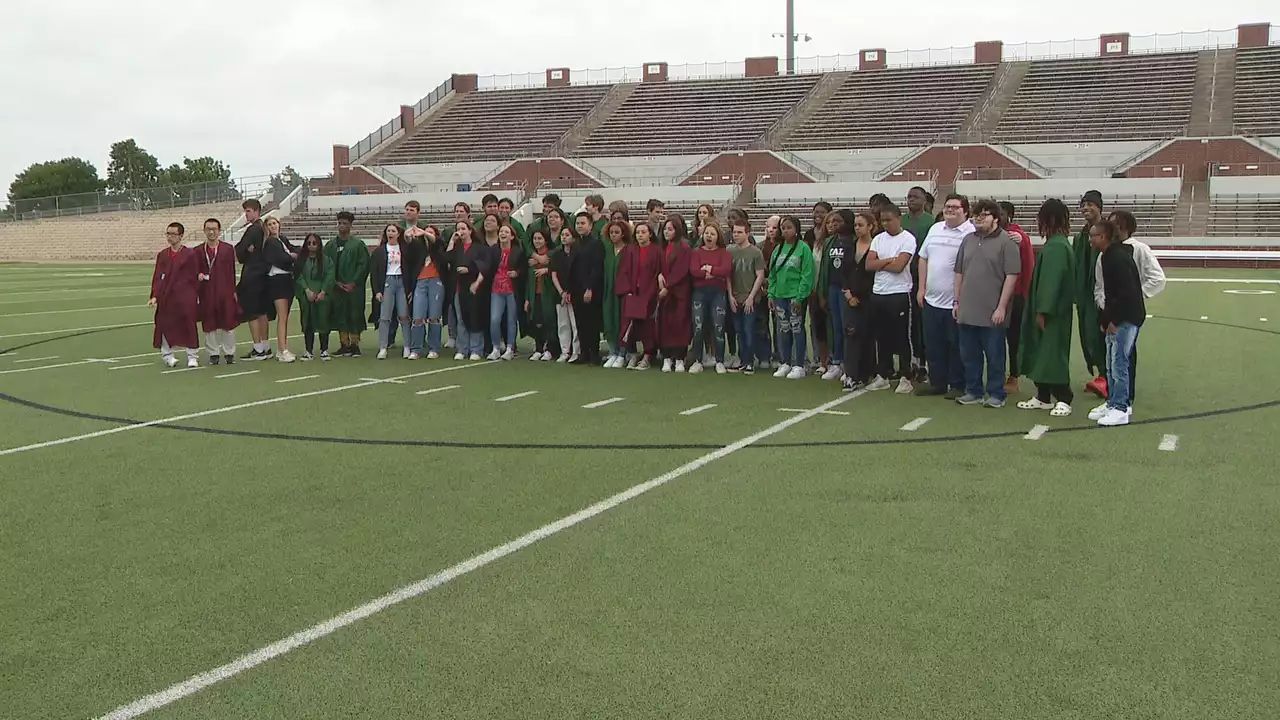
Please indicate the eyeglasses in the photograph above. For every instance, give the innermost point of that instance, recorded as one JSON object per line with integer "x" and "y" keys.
{"x": 953, "y": 207}
{"x": 172, "y": 233}
{"x": 983, "y": 214}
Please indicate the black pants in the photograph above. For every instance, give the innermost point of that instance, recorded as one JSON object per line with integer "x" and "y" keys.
{"x": 890, "y": 326}
{"x": 1014, "y": 335}
{"x": 859, "y": 346}
{"x": 1046, "y": 391}
{"x": 917, "y": 330}
{"x": 589, "y": 321}
{"x": 544, "y": 335}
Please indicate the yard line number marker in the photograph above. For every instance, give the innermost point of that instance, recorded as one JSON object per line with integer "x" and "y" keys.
{"x": 297, "y": 379}
{"x": 1169, "y": 443}
{"x": 199, "y": 682}
{"x": 433, "y": 391}
{"x": 602, "y": 403}
{"x": 1036, "y": 432}
{"x": 700, "y": 408}
{"x": 915, "y": 425}
{"x": 238, "y": 374}
{"x": 517, "y": 396}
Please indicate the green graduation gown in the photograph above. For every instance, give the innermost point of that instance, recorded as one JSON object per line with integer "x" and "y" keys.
{"x": 350, "y": 260}
{"x": 610, "y": 305}
{"x": 1045, "y": 355}
{"x": 1092, "y": 342}
{"x": 318, "y": 278}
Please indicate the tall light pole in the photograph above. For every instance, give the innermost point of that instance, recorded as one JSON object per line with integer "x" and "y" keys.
{"x": 791, "y": 37}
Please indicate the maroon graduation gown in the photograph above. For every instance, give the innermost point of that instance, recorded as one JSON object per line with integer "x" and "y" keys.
{"x": 175, "y": 286}
{"x": 219, "y": 306}
{"x": 675, "y": 312}
{"x": 636, "y": 283}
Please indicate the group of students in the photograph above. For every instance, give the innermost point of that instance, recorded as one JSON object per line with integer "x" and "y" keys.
{"x": 885, "y": 297}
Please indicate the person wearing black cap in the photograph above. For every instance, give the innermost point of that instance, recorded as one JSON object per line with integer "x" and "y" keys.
{"x": 1092, "y": 342}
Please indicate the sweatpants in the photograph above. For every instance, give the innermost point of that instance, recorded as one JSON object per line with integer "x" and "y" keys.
{"x": 220, "y": 342}
{"x": 1013, "y": 335}
{"x": 567, "y": 329}
{"x": 891, "y": 328}
{"x": 859, "y": 346}
{"x": 167, "y": 352}
{"x": 589, "y": 320}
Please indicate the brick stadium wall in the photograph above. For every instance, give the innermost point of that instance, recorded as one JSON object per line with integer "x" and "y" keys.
{"x": 106, "y": 236}
{"x": 1195, "y": 155}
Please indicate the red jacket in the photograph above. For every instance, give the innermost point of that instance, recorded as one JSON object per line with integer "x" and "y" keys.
{"x": 721, "y": 263}
{"x": 1027, "y": 255}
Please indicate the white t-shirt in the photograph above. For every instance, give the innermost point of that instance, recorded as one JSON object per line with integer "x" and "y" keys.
{"x": 1149, "y": 271}
{"x": 888, "y": 247}
{"x": 939, "y": 251}
{"x": 393, "y": 260}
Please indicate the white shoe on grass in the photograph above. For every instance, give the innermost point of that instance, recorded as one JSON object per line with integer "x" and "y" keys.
{"x": 405, "y": 353}
{"x": 878, "y": 383}
{"x": 1035, "y": 404}
{"x": 1099, "y": 412}
{"x": 643, "y": 364}
{"x": 633, "y": 362}
{"x": 413, "y": 356}
{"x": 833, "y": 373}
{"x": 797, "y": 373}
{"x": 509, "y": 354}
{"x": 1060, "y": 410}
{"x": 721, "y": 369}
{"x": 679, "y": 366}
{"x": 192, "y": 363}
{"x": 495, "y": 354}
{"x": 783, "y": 369}
{"x": 171, "y": 361}
{"x": 382, "y": 353}
{"x": 564, "y": 358}
{"x": 460, "y": 356}
{"x": 1114, "y": 418}
{"x": 477, "y": 357}
{"x": 535, "y": 357}
{"x": 904, "y": 387}
{"x": 667, "y": 365}
{"x": 546, "y": 356}
{"x": 695, "y": 368}
{"x": 286, "y": 357}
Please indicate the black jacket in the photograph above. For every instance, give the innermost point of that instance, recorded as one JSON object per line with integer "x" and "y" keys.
{"x": 1121, "y": 287}
{"x": 412, "y": 257}
{"x": 854, "y": 275}
{"x": 518, "y": 262}
{"x": 579, "y": 269}
{"x": 276, "y": 252}
{"x": 254, "y": 262}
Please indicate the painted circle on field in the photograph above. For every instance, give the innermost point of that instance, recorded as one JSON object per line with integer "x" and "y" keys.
{"x": 1250, "y": 292}
{"x": 389, "y": 442}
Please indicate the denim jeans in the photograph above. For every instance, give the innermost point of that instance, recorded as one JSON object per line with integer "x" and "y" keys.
{"x": 709, "y": 305}
{"x": 1120, "y": 351}
{"x": 790, "y": 316}
{"x": 395, "y": 308}
{"x": 467, "y": 342}
{"x": 942, "y": 344}
{"x": 744, "y": 326}
{"x": 977, "y": 342}
{"x": 502, "y": 304}
{"x": 763, "y": 340}
{"x": 427, "y": 311}
{"x": 836, "y": 305}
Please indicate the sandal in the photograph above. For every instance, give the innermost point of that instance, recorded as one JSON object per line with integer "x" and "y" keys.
{"x": 1034, "y": 404}
{"x": 1060, "y": 410}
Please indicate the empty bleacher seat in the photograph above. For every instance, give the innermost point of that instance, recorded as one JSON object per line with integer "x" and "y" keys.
{"x": 1244, "y": 216}
{"x": 1257, "y": 91}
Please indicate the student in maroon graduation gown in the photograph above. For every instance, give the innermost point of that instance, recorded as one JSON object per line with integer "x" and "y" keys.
{"x": 637, "y": 289}
{"x": 219, "y": 311}
{"x": 174, "y": 295}
{"x": 675, "y": 289}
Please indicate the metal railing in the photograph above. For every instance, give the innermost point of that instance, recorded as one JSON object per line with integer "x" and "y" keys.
{"x": 156, "y": 198}
{"x": 1146, "y": 152}
{"x": 815, "y": 172}
{"x": 1076, "y": 173}
{"x": 434, "y": 97}
{"x": 1027, "y": 162}
{"x": 785, "y": 178}
{"x": 362, "y": 149}
{"x": 1244, "y": 169}
{"x": 391, "y": 178}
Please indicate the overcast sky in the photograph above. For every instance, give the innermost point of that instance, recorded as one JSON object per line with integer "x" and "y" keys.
{"x": 264, "y": 83}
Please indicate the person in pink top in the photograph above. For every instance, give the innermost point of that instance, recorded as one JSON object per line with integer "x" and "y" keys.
{"x": 1027, "y": 257}
{"x": 508, "y": 260}
{"x": 710, "y": 266}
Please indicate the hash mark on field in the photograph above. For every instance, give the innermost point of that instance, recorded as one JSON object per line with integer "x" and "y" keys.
{"x": 915, "y": 424}
{"x": 517, "y": 396}
{"x": 1036, "y": 432}
{"x": 126, "y": 367}
{"x": 432, "y": 391}
{"x": 824, "y": 412}
{"x": 602, "y": 403}
{"x": 238, "y": 374}
{"x": 49, "y": 357}
{"x": 1169, "y": 443}
{"x": 1262, "y": 319}
{"x": 178, "y": 370}
{"x": 304, "y": 377}
{"x": 700, "y": 408}
{"x": 1204, "y": 317}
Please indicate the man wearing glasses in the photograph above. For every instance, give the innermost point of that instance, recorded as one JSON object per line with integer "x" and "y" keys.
{"x": 986, "y": 268}
{"x": 936, "y": 296}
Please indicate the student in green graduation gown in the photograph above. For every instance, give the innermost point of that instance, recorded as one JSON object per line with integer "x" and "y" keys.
{"x": 1044, "y": 352}
{"x": 618, "y": 236}
{"x": 541, "y": 299}
{"x": 599, "y": 219}
{"x": 314, "y": 290}
{"x": 1092, "y": 342}
{"x": 350, "y": 258}
{"x": 506, "y": 206}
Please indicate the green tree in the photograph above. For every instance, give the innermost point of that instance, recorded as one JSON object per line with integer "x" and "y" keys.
{"x": 33, "y": 190}
{"x": 131, "y": 167}
{"x": 199, "y": 180}
{"x": 284, "y": 182}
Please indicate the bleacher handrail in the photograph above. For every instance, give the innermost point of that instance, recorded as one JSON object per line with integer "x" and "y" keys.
{"x": 1233, "y": 169}
{"x": 1147, "y": 151}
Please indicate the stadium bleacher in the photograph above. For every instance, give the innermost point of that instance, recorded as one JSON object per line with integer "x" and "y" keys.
{"x": 1257, "y": 91}
{"x": 1244, "y": 216}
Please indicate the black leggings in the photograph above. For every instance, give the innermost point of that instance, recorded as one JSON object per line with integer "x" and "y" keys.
{"x": 859, "y": 347}
{"x": 1046, "y": 391}
{"x": 890, "y": 320}
{"x": 1014, "y": 334}
{"x": 310, "y": 337}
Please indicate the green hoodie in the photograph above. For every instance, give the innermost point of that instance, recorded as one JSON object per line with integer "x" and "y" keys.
{"x": 791, "y": 272}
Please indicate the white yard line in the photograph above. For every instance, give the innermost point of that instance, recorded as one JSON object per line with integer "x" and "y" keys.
{"x": 298, "y": 379}
{"x": 236, "y": 374}
{"x": 915, "y": 424}
{"x": 517, "y": 396}
{"x": 1204, "y": 317}
{"x": 700, "y": 408}
{"x": 90, "y": 361}
{"x": 1036, "y": 432}
{"x": 602, "y": 403}
{"x": 135, "y": 306}
{"x": 79, "y": 329}
{"x": 433, "y": 391}
{"x": 1262, "y": 319}
{"x": 126, "y": 367}
{"x": 1169, "y": 443}
{"x": 113, "y": 288}
{"x": 31, "y": 360}
{"x": 799, "y": 410}
{"x": 104, "y": 294}
{"x": 1244, "y": 281}
{"x": 393, "y": 381}
{"x": 181, "y": 369}
{"x": 305, "y": 637}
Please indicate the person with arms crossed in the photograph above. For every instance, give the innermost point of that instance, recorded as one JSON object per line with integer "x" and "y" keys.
{"x": 890, "y": 307}
{"x": 252, "y": 291}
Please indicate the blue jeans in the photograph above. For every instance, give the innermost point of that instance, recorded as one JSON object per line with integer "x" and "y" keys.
{"x": 1121, "y": 348}
{"x": 977, "y": 341}
{"x": 942, "y": 344}
{"x": 428, "y": 307}
{"x": 763, "y": 341}
{"x": 709, "y": 310}
{"x": 744, "y": 326}
{"x": 395, "y": 307}
{"x": 836, "y": 305}
{"x": 500, "y": 303}
{"x": 790, "y": 316}
{"x": 467, "y": 342}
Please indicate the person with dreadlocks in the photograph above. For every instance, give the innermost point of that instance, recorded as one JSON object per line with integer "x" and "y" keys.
{"x": 1092, "y": 341}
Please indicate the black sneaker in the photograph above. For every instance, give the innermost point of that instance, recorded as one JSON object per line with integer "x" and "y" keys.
{"x": 353, "y": 351}
{"x": 251, "y": 355}
{"x": 266, "y": 354}
{"x": 214, "y": 359}
{"x": 748, "y": 370}
{"x": 231, "y": 359}
{"x": 851, "y": 385}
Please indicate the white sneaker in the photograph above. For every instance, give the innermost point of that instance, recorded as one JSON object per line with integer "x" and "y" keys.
{"x": 509, "y": 354}
{"x": 495, "y": 354}
{"x": 476, "y": 357}
{"x": 904, "y": 387}
{"x": 878, "y": 383}
{"x": 707, "y": 359}
{"x": 193, "y": 363}
{"x": 1099, "y": 412}
{"x": 679, "y": 366}
{"x": 633, "y": 362}
{"x": 721, "y": 369}
{"x": 171, "y": 361}
{"x": 433, "y": 355}
{"x": 1114, "y": 418}
{"x": 564, "y": 358}
{"x": 666, "y": 365}
{"x": 644, "y": 364}
{"x": 783, "y": 369}
{"x": 546, "y": 356}
{"x": 406, "y": 353}
{"x": 695, "y": 368}
{"x": 535, "y": 357}
{"x": 460, "y": 356}
{"x": 819, "y": 370}
{"x": 448, "y": 343}
{"x": 382, "y": 353}
{"x": 797, "y": 373}
{"x": 573, "y": 358}
{"x": 733, "y": 362}
{"x": 413, "y": 356}
{"x": 285, "y": 356}
{"x": 833, "y": 373}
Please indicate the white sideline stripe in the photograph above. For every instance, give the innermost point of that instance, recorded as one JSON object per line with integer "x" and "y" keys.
{"x": 30, "y": 360}
{"x": 825, "y": 412}
{"x": 1262, "y": 319}
{"x": 1225, "y": 280}
{"x": 1169, "y": 443}
{"x": 231, "y": 375}
{"x": 700, "y": 408}
{"x": 80, "y": 329}
{"x": 432, "y": 391}
{"x": 517, "y": 396}
{"x": 115, "y": 288}
{"x": 1036, "y": 432}
{"x": 915, "y": 424}
{"x": 136, "y": 306}
{"x": 602, "y": 403}
{"x": 297, "y": 379}
{"x": 126, "y": 367}
{"x": 299, "y": 639}
{"x": 216, "y": 411}
{"x": 106, "y": 296}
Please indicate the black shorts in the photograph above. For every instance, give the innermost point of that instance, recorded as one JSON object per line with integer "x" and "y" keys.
{"x": 279, "y": 287}
{"x": 252, "y": 294}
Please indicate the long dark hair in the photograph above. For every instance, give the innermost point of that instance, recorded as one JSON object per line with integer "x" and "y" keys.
{"x": 795, "y": 222}
{"x": 1053, "y": 218}
{"x": 682, "y": 228}
{"x": 304, "y": 253}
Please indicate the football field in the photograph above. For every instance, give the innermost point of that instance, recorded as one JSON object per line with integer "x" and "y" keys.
{"x": 395, "y": 539}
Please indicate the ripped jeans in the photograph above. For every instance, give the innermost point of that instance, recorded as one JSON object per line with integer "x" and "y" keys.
{"x": 427, "y": 312}
{"x": 709, "y": 308}
{"x": 789, "y": 315}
